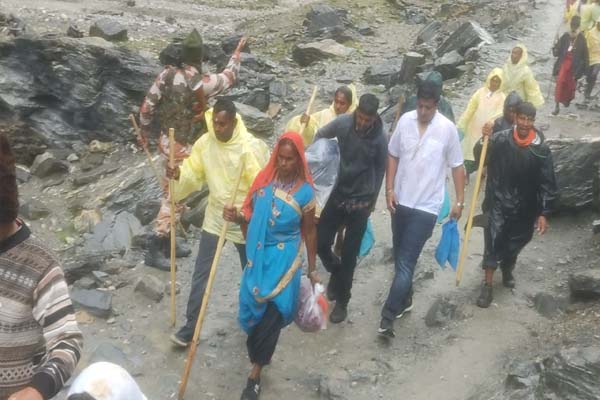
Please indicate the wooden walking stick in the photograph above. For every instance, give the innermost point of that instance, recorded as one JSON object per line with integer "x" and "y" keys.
{"x": 148, "y": 155}
{"x": 308, "y": 109}
{"x": 173, "y": 229}
{"x": 465, "y": 246}
{"x": 211, "y": 277}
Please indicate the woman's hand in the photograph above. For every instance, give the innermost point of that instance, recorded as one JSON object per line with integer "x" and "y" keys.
{"x": 314, "y": 277}
{"x": 230, "y": 214}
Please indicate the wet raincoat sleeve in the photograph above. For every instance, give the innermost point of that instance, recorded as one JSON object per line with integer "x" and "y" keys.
{"x": 192, "y": 173}
{"x": 328, "y": 131}
{"x": 548, "y": 188}
{"x": 308, "y": 135}
{"x": 380, "y": 165}
{"x": 466, "y": 116}
{"x": 533, "y": 93}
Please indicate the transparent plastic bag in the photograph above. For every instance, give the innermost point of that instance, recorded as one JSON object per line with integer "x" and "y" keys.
{"x": 312, "y": 307}
{"x": 323, "y": 158}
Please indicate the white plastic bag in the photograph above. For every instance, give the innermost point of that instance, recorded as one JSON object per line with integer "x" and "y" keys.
{"x": 312, "y": 307}
{"x": 323, "y": 158}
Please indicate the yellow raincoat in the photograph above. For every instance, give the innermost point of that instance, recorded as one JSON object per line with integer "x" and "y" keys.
{"x": 218, "y": 164}
{"x": 483, "y": 107}
{"x": 593, "y": 41}
{"x": 319, "y": 119}
{"x": 589, "y": 14}
{"x": 518, "y": 77}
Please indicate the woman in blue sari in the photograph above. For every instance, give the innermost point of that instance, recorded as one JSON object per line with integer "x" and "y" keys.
{"x": 280, "y": 215}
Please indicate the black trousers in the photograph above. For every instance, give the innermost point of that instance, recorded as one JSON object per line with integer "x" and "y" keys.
{"x": 504, "y": 239}
{"x": 342, "y": 271}
{"x": 263, "y": 339}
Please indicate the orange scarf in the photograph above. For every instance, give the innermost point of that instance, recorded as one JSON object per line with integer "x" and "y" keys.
{"x": 526, "y": 141}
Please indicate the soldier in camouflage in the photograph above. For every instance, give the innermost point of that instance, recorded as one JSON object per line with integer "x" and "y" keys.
{"x": 179, "y": 97}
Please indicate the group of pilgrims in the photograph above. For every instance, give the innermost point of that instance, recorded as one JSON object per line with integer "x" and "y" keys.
{"x": 276, "y": 224}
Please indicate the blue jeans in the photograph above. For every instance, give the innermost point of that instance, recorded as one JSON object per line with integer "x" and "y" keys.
{"x": 411, "y": 228}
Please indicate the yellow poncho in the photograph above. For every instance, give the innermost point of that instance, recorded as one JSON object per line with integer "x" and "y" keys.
{"x": 518, "y": 77}
{"x": 593, "y": 42}
{"x": 589, "y": 15}
{"x": 319, "y": 119}
{"x": 218, "y": 164}
{"x": 483, "y": 107}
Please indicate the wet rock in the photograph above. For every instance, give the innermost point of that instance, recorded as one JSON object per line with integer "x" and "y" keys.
{"x": 333, "y": 388}
{"x": 34, "y": 210}
{"x": 213, "y": 52}
{"x": 130, "y": 3}
{"x": 415, "y": 16}
{"x": 442, "y": 311}
{"x": 114, "y": 234}
{"x": 108, "y": 29}
{"x": 596, "y": 226}
{"x": 448, "y": 64}
{"x": 147, "y": 210}
{"x": 365, "y": 29}
{"x": 411, "y": 61}
{"x": 86, "y": 221}
{"x": 256, "y": 121}
{"x": 327, "y": 22}
{"x": 309, "y": 53}
{"x": 101, "y": 278}
{"x": 472, "y": 54}
{"x": 23, "y": 174}
{"x": 97, "y": 146}
{"x": 79, "y": 267}
{"x": 429, "y": 32}
{"x": 195, "y": 216}
{"x": 108, "y": 352}
{"x": 257, "y": 98}
{"x": 74, "y": 32}
{"x": 151, "y": 287}
{"x": 85, "y": 178}
{"x": 470, "y": 34}
{"x": 85, "y": 283}
{"x": 548, "y": 305}
{"x": 91, "y": 161}
{"x": 12, "y": 25}
{"x": 585, "y": 285}
{"x": 387, "y": 74}
{"x": 96, "y": 302}
{"x": 522, "y": 376}
{"x": 46, "y": 164}
{"x": 60, "y": 90}
{"x": 279, "y": 88}
{"x": 230, "y": 44}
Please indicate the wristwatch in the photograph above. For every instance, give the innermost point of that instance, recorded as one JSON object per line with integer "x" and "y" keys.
{"x": 461, "y": 205}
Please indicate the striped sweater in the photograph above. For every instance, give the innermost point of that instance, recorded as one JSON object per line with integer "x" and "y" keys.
{"x": 40, "y": 343}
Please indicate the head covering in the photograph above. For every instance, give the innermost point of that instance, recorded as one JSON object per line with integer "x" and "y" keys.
{"x": 495, "y": 72}
{"x": 520, "y": 78}
{"x": 9, "y": 194}
{"x": 172, "y": 55}
{"x": 192, "y": 49}
{"x": 266, "y": 176}
{"x": 512, "y": 100}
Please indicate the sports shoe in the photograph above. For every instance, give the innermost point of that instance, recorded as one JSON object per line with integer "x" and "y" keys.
{"x": 251, "y": 391}
{"x": 508, "y": 280}
{"x": 179, "y": 342}
{"x": 486, "y": 296}
{"x": 386, "y": 328}
{"x": 407, "y": 308}
{"x": 338, "y": 314}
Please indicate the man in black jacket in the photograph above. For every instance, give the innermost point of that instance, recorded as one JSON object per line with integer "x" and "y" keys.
{"x": 363, "y": 149}
{"x": 519, "y": 195}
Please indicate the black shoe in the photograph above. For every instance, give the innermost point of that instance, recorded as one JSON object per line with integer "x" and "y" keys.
{"x": 179, "y": 341}
{"x": 338, "y": 314}
{"x": 508, "y": 280}
{"x": 556, "y": 110}
{"x": 407, "y": 307}
{"x": 485, "y": 297}
{"x": 155, "y": 257}
{"x": 251, "y": 391}
{"x": 386, "y": 328}
{"x": 331, "y": 295}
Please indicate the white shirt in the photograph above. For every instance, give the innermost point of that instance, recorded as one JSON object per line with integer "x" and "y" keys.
{"x": 106, "y": 381}
{"x": 424, "y": 160}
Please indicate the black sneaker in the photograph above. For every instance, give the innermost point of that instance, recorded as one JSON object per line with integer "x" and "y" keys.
{"x": 251, "y": 391}
{"x": 508, "y": 280}
{"x": 179, "y": 341}
{"x": 386, "y": 328}
{"x": 485, "y": 297}
{"x": 338, "y": 314}
{"x": 408, "y": 307}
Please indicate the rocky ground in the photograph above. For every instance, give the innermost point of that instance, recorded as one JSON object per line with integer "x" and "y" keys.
{"x": 92, "y": 204}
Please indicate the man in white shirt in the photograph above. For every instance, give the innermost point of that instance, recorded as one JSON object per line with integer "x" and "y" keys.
{"x": 424, "y": 145}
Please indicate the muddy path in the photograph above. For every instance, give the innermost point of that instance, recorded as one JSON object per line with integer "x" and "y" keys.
{"x": 466, "y": 357}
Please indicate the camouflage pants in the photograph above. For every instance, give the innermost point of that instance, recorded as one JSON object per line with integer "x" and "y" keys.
{"x": 162, "y": 225}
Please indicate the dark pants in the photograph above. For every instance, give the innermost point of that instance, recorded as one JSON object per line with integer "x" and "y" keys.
{"x": 411, "y": 228}
{"x": 591, "y": 77}
{"x": 206, "y": 253}
{"x": 503, "y": 241}
{"x": 263, "y": 339}
{"x": 342, "y": 271}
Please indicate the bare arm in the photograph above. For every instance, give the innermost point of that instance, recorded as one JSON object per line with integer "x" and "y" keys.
{"x": 310, "y": 236}
{"x": 390, "y": 176}
{"x": 458, "y": 176}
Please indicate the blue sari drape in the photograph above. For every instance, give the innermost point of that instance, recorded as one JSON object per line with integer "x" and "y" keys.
{"x": 272, "y": 245}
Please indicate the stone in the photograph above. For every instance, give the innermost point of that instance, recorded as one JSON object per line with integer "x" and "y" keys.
{"x": 151, "y": 287}
{"x": 387, "y": 74}
{"x": 548, "y": 305}
{"x": 91, "y": 161}
{"x": 195, "y": 216}
{"x": 147, "y": 210}
{"x": 23, "y": 174}
{"x": 85, "y": 283}
{"x": 62, "y": 91}
{"x": 87, "y": 220}
{"x": 306, "y": 54}
{"x": 73, "y": 158}
{"x": 109, "y": 30}
{"x": 74, "y": 32}
{"x": 415, "y": 16}
{"x": 256, "y": 121}
{"x": 522, "y": 376}
{"x": 365, "y": 29}
{"x": 130, "y": 3}
{"x": 12, "y": 25}
{"x": 334, "y": 387}
{"x": 470, "y": 34}
{"x": 576, "y": 169}
{"x": 324, "y": 21}
{"x": 85, "y": 178}
{"x": 34, "y": 210}
{"x": 472, "y": 54}
{"x": 442, "y": 311}
{"x": 82, "y": 265}
{"x": 97, "y": 146}
{"x": 96, "y": 302}
{"x": 279, "y": 88}
{"x": 429, "y": 32}
{"x": 596, "y": 226}
{"x": 213, "y": 53}
{"x": 411, "y": 61}
{"x": 585, "y": 285}
{"x": 448, "y": 64}
{"x": 230, "y": 44}
{"x": 114, "y": 234}
{"x": 258, "y": 98}
{"x": 108, "y": 352}
{"x": 46, "y": 164}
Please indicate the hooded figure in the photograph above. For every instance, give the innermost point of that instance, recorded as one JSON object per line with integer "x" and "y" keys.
{"x": 485, "y": 105}
{"x": 507, "y": 120}
{"x": 518, "y": 77}
{"x": 323, "y": 117}
{"x": 593, "y": 43}
{"x": 444, "y": 106}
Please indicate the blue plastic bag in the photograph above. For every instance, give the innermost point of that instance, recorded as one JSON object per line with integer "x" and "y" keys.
{"x": 445, "y": 210}
{"x": 368, "y": 240}
{"x": 449, "y": 246}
